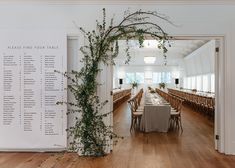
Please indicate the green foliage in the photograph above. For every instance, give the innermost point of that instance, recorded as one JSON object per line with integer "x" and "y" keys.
{"x": 90, "y": 135}
{"x": 162, "y": 85}
{"x": 151, "y": 90}
{"x": 134, "y": 84}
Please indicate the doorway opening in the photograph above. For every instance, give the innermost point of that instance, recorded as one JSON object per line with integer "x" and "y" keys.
{"x": 193, "y": 64}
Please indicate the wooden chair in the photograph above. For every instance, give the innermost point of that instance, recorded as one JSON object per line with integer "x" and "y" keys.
{"x": 135, "y": 114}
{"x": 175, "y": 117}
{"x": 210, "y": 106}
{"x": 202, "y": 104}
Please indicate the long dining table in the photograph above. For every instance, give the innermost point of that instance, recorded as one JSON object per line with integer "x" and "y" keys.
{"x": 156, "y": 114}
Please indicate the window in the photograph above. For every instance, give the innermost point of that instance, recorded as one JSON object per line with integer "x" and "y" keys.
{"x": 212, "y": 82}
{"x": 199, "y": 83}
{"x": 157, "y": 77}
{"x": 166, "y": 77}
{"x": 139, "y": 77}
{"x": 148, "y": 81}
{"x": 148, "y": 75}
{"x": 205, "y": 83}
{"x": 130, "y": 77}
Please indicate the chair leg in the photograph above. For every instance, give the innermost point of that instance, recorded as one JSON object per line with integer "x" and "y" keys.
{"x": 169, "y": 123}
{"x": 135, "y": 123}
{"x": 138, "y": 122}
{"x": 132, "y": 122}
{"x": 172, "y": 122}
{"x": 176, "y": 122}
{"x": 179, "y": 118}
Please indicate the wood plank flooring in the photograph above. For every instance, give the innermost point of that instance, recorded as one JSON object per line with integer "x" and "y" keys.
{"x": 194, "y": 148}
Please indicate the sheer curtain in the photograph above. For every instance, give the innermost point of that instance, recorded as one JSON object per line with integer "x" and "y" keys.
{"x": 139, "y": 76}
{"x": 193, "y": 83}
{"x": 199, "y": 83}
{"x": 205, "y": 82}
{"x": 130, "y": 77}
{"x": 156, "y": 77}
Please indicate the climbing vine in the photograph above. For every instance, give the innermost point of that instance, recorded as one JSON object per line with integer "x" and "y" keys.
{"x": 90, "y": 135}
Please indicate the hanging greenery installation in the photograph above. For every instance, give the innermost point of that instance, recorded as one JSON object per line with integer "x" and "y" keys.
{"x": 90, "y": 135}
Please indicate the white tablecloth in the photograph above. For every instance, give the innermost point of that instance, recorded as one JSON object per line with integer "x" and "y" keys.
{"x": 156, "y": 115}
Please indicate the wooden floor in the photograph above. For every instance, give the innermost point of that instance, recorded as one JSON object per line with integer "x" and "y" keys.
{"x": 194, "y": 148}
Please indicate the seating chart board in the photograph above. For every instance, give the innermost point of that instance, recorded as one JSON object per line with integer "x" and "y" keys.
{"x": 30, "y": 120}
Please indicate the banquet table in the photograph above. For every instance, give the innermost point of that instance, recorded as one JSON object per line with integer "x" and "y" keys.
{"x": 156, "y": 114}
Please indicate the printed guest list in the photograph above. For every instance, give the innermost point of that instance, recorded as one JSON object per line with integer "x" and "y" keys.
{"x": 29, "y": 90}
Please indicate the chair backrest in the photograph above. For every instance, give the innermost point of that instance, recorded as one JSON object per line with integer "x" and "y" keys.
{"x": 211, "y": 102}
{"x": 176, "y": 102}
{"x": 172, "y": 101}
{"x": 136, "y": 103}
{"x": 204, "y": 100}
{"x": 180, "y": 104}
{"x": 132, "y": 105}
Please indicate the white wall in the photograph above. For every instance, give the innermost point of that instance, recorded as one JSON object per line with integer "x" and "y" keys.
{"x": 201, "y": 61}
{"x": 207, "y": 20}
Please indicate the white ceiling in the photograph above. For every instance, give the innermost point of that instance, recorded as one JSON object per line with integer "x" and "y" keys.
{"x": 176, "y": 52}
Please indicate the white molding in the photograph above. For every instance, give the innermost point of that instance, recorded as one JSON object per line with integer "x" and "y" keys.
{"x": 228, "y": 102}
{"x": 120, "y": 2}
{"x": 72, "y": 36}
{"x": 222, "y": 118}
{"x": 222, "y": 127}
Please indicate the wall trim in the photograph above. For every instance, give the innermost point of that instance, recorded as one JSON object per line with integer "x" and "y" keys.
{"x": 120, "y": 2}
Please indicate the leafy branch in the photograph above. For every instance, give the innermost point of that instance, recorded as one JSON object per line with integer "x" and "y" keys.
{"x": 90, "y": 134}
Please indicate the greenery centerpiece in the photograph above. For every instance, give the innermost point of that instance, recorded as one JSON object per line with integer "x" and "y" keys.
{"x": 151, "y": 90}
{"x": 134, "y": 85}
{"x": 90, "y": 134}
{"x": 162, "y": 85}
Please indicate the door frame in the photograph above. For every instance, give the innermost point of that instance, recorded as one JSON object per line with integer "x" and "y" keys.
{"x": 219, "y": 122}
{"x": 220, "y": 116}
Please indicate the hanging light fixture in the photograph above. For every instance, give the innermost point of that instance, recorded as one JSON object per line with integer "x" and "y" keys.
{"x": 149, "y": 59}
{"x": 156, "y": 44}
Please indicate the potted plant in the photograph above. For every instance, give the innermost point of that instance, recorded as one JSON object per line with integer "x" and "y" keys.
{"x": 134, "y": 85}
{"x": 162, "y": 85}
{"x": 151, "y": 90}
